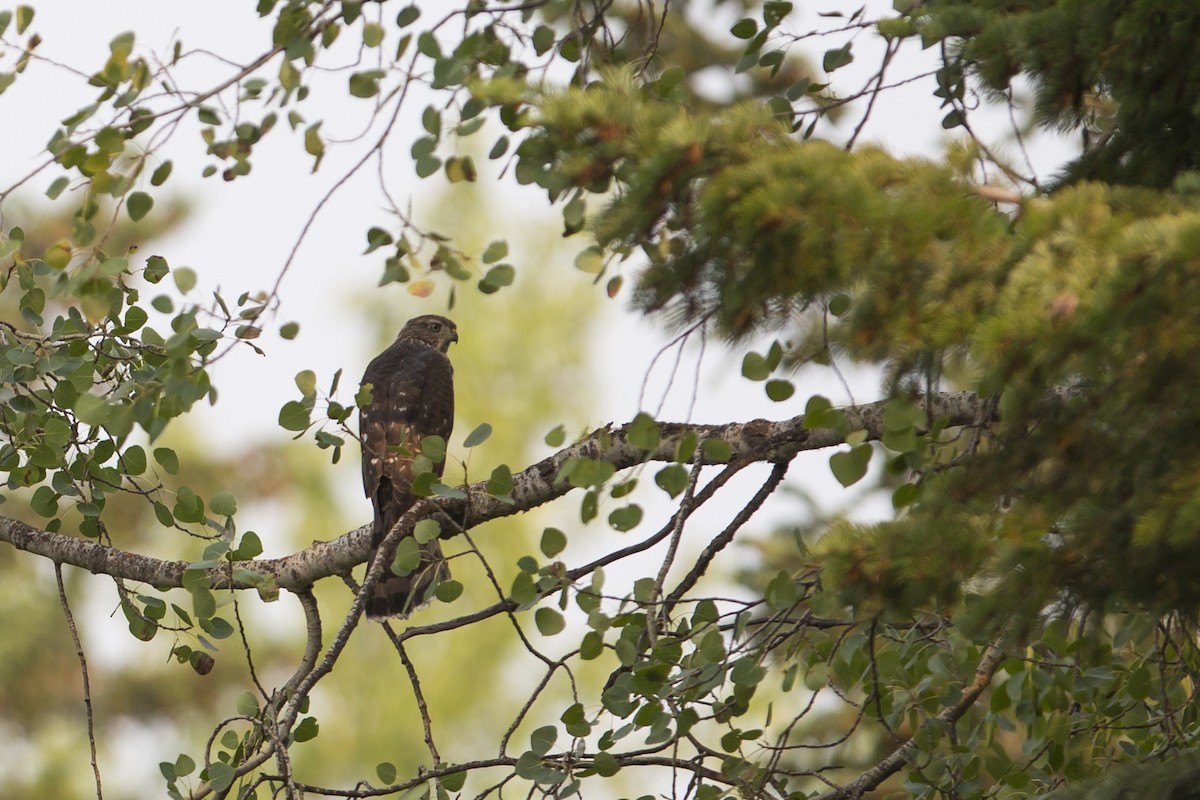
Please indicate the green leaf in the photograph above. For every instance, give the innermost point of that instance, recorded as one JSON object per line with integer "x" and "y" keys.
{"x": 366, "y": 84}
{"x": 556, "y": 436}
{"x": 744, "y": 28}
{"x": 549, "y": 621}
{"x": 408, "y": 556}
{"x": 57, "y": 186}
{"x": 589, "y": 507}
{"x": 294, "y": 416}
{"x": 497, "y": 276}
{"x": 837, "y": 58}
{"x": 163, "y": 515}
{"x": 583, "y": 472}
{"x": 161, "y": 173}
{"x": 500, "y": 484}
{"x": 627, "y": 518}
{"x": 781, "y": 591}
{"x": 167, "y": 459}
{"x": 528, "y": 764}
{"x": 819, "y": 413}
{"x": 906, "y": 494}
{"x": 591, "y": 646}
{"x": 755, "y": 367}
{"x": 747, "y": 672}
{"x": 184, "y": 765}
{"x": 478, "y": 436}
{"x": 251, "y": 546}
{"x": 442, "y": 490}
{"x": 138, "y": 204}
{"x": 849, "y": 466}
{"x": 902, "y": 414}
{"x": 203, "y": 603}
{"x": 448, "y": 591}
{"x": 376, "y": 238}
{"x": 314, "y": 145}
{"x": 246, "y": 704}
{"x": 223, "y": 504}
{"x": 185, "y": 279}
{"x": 220, "y": 775}
{"x": 44, "y": 502}
{"x": 643, "y": 432}
{"x": 543, "y": 39}
{"x": 575, "y": 720}
{"x": 156, "y": 269}
{"x": 306, "y": 382}
{"x": 672, "y": 479}
{"x": 590, "y": 260}
{"x": 407, "y": 16}
{"x": 623, "y": 488}
{"x": 499, "y": 148}
{"x": 306, "y": 730}
{"x": 454, "y": 781}
{"x": 553, "y": 542}
{"x": 495, "y": 251}
{"x": 288, "y": 330}
{"x": 900, "y": 441}
{"x": 717, "y": 450}
{"x": 133, "y": 460}
{"x": 24, "y": 17}
{"x": 542, "y": 739}
{"x": 195, "y": 578}
{"x": 386, "y": 771}
{"x": 433, "y": 448}
{"x": 686, "y": 449}
{"x": 606, "y": 764}
{"x": 431, "y": 121}
{"x": 188, "y": 505}
{"x": 779, "y": 390}
{"x": 428, "y": 45}
{"x": 58, "y": 255}
{"x": 524, "y": 591}
{"x": 426, "y": 530}
{"x": 372, "y": 34}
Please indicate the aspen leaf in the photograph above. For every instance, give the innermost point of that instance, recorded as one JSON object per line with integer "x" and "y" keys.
{"x": 421, "y": 288}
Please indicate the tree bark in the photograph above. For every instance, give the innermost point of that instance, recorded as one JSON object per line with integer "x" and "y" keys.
{"x": 757, "y": 440}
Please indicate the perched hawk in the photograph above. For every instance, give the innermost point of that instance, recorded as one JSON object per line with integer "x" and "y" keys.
{"x": 412, "y": 397}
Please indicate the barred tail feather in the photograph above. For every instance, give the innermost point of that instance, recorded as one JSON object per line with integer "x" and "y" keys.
{"x": 397, "y": 596}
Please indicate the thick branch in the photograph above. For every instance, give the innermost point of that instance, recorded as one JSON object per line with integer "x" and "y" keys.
{"x": 757, "y": 440}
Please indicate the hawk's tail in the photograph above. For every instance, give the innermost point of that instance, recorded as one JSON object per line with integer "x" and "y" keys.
{"x": 397, "y": 596}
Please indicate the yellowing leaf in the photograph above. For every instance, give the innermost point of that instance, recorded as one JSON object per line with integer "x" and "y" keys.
{"x": 58, "y": 255}
{"x": 422, "y": 288}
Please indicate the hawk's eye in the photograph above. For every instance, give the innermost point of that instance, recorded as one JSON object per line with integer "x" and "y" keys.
{"x": 435, "y": 326}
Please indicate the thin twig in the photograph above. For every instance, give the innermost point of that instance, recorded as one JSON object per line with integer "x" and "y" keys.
{"x": 83, "y": 670}
{"x": 723, "y": 539}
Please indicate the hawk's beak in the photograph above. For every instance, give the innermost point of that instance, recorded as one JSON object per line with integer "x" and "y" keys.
{"x": 453, "y": 337}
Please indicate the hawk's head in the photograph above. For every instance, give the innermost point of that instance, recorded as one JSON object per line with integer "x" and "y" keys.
{"x": 437, "y": 332}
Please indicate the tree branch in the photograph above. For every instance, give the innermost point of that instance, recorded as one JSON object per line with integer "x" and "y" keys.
{"x": 757, "y": 440}
{"x": 869, "y": 780}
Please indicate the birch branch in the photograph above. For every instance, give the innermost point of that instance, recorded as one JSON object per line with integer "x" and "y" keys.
{"x": 757, "y": 440}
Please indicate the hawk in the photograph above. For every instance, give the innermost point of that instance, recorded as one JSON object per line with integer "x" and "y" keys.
{"x": 412, "y": 396}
